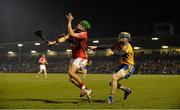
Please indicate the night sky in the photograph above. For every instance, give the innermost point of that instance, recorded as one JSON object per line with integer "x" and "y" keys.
{"x": 19, "y": 18}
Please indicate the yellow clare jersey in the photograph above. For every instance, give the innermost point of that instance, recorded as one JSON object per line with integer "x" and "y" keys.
{"x": 129, "y": 57}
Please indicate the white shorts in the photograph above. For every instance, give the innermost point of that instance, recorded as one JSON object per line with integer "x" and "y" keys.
{"x": 80, "y": 63}
{"x": 42, "y": 67}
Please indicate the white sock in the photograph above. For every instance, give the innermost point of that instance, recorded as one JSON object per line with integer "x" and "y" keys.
{"x": 83, "y": 87}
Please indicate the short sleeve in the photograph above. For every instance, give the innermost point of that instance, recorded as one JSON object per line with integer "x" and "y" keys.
{"x": 82, "y": 35}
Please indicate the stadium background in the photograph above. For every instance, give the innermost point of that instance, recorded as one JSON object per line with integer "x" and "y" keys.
{"x": 159, "y": 56}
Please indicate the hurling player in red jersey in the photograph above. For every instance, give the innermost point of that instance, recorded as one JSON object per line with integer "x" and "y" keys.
{"x": 42, "y": 67}
{"x": 78, "y": 39}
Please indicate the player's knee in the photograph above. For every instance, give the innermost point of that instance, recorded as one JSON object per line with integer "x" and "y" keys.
{"x": 114, "y": 77}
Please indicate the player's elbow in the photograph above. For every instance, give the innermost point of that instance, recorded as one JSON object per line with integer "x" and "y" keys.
{"x": 72, "y": 33}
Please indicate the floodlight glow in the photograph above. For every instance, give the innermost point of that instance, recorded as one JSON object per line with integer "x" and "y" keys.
{"x": 136, "y": 48}
{"x": 95, "y": 41}
{"x": 33, "y": 51}
{"x": 68, "y": 50}
{"x": 48, "y": 51}
{"x": 20, "y": 45}
{"x": 155, "y": 38}
{"x": 10, "y": 52}
{"x": 37, "y": 43}
{"x": 165, "y": 47}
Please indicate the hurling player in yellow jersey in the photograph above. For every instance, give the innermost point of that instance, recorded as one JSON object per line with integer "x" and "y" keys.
{"x": 126, "y": 67}
{"x": 124, "y": 51}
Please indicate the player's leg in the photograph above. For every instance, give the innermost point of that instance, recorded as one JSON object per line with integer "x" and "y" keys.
{"x": 72, "y": 73}
{"x": 82, "y": 93}
{"x": 71, "y": 79}
{"x": 83, "y": 73}
{"x": 83, "y": 70}
{"x": 76, "y": 79}
{"x": 128, "y": 71}
{"x": 45, "y": 73}
{"x": 73, "y": 69}
{"x": 79, "y": 83}
{"x": 113, "y": 83}
{"x": 40, "y": 71}
{"x": 126, "y": 90}
{"x": 74, "y": 82}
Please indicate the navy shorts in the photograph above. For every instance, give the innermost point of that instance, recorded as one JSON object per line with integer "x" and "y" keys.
{"x": 129, "y": 70}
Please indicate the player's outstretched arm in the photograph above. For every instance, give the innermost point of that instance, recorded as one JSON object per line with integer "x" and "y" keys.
{"x": 62, "y": 38}
{"x": 109, "y": 52}
{"x": 69, "y": 26}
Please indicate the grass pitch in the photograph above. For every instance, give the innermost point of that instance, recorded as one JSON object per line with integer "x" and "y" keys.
{"x": 23, "y": 91}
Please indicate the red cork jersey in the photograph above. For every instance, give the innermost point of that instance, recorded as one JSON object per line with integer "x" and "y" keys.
{"x": 79, "y": 50}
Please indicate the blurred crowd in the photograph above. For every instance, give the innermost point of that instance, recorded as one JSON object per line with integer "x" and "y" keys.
{"x": 154, "y": 63}
{"x": 164, "y": 63}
